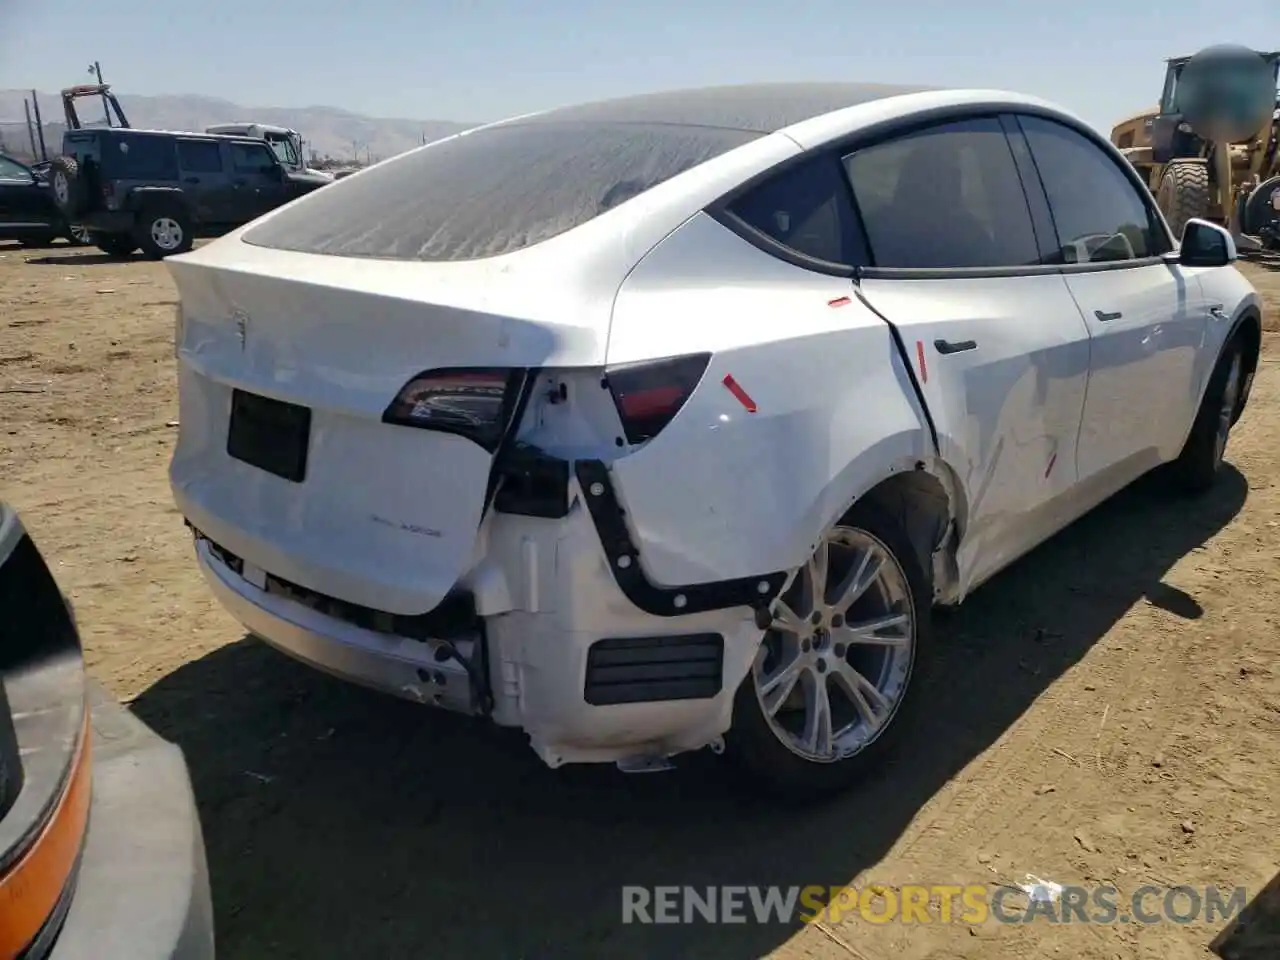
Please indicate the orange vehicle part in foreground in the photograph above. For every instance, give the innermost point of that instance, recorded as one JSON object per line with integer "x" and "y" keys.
{"x": 29, "y": 892}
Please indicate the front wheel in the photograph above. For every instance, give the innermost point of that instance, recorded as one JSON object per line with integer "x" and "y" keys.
{"x": 1200, "y": 461}
{"x": 828, "y": 693}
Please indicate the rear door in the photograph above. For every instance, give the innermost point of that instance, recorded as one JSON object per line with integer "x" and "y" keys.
{"x": 999, "y": 348}
{"x": 1148, "y": 318}
{"x": 206, "y": 186}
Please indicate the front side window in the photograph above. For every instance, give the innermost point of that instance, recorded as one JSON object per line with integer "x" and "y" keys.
{"x": 285, "y": 150}
{"x": 252, "y": 158}
{"x": 10, "y": 170}
{"x": 1100, "y": 215}
{"x": 943, "y": 198}
{"x": 805, "y": 208}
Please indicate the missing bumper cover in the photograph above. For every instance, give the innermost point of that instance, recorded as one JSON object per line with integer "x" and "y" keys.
{"x": 624, "y": 560}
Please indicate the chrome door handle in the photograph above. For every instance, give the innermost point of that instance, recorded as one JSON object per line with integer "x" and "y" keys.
{"x": 1217, "y": 311}
{"x": 954, "y": 346}
{"x": 1104, "y": 317}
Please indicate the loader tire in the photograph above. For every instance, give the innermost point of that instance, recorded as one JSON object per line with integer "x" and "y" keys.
{"x": 1183, "y": 193}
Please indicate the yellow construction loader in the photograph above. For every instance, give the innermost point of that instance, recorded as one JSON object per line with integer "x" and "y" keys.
{"x": 1211, "y": 149}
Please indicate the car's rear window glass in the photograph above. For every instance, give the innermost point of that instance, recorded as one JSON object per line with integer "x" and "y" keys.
{"x": 139, "y": 156}
{"x": 491, "y": 191}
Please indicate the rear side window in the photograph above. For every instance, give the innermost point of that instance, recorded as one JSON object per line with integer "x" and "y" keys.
{"x": 805, "y": 208}
{"x": 491, "y": 191}
{"x": 199, "y": 156}
{"x": 946, "y": 197}
{"x": 251, "y": 158}
{"x": 1100, "y": 215}
{"x": 140, "y": 157}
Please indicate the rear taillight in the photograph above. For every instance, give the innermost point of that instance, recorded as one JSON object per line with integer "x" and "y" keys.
{"x": 476, "y": 403}
{"x": 649, "y": 394}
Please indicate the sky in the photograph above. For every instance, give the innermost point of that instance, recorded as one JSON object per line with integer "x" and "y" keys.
{"x": 482, "y": 60}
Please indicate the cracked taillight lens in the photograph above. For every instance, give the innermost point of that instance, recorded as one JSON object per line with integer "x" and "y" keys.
{"x": 476, "y": 403}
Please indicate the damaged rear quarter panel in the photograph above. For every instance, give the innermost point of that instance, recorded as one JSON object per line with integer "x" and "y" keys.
{"x": 724, "y": 493}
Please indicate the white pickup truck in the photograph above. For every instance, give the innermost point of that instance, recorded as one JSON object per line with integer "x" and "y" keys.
{"x": 286, "y": 143}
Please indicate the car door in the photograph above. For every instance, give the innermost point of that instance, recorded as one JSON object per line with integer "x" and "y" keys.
{"x": 1147, "y": 316}
{"x": 258, "y": 179}
{"x": 1000, "y": 351}
{"x": 23, "y": 203}
{"x": 206, "y": 186}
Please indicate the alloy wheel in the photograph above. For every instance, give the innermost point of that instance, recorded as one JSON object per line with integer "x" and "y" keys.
{"x": 834, "y": 664}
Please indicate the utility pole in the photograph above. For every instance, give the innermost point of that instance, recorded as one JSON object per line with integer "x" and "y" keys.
{"x": 31, "y": 131}
{"x": 35, "y": 108}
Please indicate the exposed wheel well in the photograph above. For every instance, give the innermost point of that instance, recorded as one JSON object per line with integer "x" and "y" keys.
{"x": 921, "y": 502}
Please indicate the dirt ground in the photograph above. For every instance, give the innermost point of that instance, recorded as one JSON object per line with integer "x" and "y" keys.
{"x": 1105, "y": 712}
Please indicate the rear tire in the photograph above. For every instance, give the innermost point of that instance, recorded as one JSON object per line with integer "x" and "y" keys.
{"x": 114, "y": 244}
{"x": 78, "y": 236}
{"x": 872, "y": 646}
{"x": 1183, "y": 193}
{"x": 1200, "y": 462}
{"x": 163, "y": 230}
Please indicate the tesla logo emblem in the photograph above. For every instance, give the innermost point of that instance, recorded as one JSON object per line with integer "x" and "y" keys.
{"x": 242, "y": 326}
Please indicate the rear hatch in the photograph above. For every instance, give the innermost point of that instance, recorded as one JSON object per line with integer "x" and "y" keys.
{"x": 339, "y": 417}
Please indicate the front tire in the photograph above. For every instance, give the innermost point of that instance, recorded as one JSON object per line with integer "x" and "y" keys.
{"x": 1200, "y": 462}
{"x": 163, "y": 231}
{"x": 830, "y": 691}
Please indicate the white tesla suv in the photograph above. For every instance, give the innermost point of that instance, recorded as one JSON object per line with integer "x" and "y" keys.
{"x": 663, "y": 423}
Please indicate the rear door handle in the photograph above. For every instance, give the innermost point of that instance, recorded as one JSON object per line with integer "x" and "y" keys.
{"x": 191, "y": 180}
{"x": 1104, "y": 317}
{"x": 954, "y": 346}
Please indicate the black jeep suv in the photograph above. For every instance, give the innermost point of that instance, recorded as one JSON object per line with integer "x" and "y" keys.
{"x": 158, "y": 190}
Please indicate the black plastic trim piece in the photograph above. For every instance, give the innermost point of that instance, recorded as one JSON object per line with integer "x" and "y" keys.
{"x": 531, "y": 483}
{"x": 654, "y": 669}
{"x": 624, "y": 560}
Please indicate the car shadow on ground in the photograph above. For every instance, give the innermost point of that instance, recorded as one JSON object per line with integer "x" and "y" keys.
{"x": 344, "y": 823}
{"x": 81, "y": 259}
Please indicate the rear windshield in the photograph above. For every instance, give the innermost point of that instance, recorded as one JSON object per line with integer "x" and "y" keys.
{"x": 491, "y": 191}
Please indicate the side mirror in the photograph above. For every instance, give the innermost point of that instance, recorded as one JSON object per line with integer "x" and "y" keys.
{"x": 1206, "y": 244}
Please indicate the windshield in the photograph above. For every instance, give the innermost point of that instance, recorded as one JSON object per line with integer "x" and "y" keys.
{"x": 285, "y": 149}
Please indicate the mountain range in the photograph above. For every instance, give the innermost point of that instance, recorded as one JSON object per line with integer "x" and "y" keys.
{"x": 328, "y": 131}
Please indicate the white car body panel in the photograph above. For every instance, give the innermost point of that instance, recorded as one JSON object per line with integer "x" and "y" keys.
{"x": 836, "y": 411}
{"x": 1008, "y": 411}
{"x": 1051, "y": 411}
{"x": 1143, "y": 363}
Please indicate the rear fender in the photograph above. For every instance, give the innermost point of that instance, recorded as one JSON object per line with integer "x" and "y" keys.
{"x": 730, "y": 492}
{"x": 140, "y": 197}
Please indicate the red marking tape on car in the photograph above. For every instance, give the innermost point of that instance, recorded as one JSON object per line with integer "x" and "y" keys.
{"x": 839, "y": 302}
{"x": 924, "y": 370}
{"x": 742, "y": 396}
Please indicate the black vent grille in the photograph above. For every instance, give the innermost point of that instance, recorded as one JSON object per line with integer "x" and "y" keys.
{"x": 648, "y": 669}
